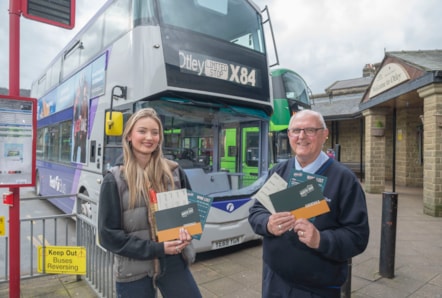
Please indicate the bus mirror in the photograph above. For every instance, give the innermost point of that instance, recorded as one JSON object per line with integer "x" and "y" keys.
{"x": 114, "y": 123}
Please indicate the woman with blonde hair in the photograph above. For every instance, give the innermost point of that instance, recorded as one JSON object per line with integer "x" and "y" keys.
{"x": 125, "y": 220}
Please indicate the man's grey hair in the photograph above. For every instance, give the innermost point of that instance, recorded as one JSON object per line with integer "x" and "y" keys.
{"x": 309, "y": 112}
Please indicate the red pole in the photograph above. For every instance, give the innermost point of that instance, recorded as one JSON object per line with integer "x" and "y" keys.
{"x": 14, "y": 90}
{"x": 14, "y": 47}
{"x": 14, "y": 244}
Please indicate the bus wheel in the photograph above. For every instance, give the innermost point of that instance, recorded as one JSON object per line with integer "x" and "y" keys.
{"x": 37, "y": 188}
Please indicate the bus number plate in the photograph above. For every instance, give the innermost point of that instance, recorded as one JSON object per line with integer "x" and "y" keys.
{"x": 225, "y": 242}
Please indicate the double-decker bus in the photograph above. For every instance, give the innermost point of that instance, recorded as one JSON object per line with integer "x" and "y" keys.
{"x": 202, "y": 65}
{"x": 290, "y": 95}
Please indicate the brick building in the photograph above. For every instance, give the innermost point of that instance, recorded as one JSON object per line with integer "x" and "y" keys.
{"x": 387, "y": 123}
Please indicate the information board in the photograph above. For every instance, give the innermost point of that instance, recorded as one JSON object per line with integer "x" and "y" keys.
{"x": 18, "y": 123}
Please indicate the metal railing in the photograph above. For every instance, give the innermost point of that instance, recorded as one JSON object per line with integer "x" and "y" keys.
{"x": 99, "y": 263}
{"x": 74, "y": 229}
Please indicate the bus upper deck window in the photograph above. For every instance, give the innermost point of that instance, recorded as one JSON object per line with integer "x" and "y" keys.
{"x": 219, "y": 6}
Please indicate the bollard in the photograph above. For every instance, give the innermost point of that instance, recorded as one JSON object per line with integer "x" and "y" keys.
{"x": 388, "y": 234}
{"x": 346, "y": 287}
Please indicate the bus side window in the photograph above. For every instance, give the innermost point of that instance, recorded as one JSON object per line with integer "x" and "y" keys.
{"x": 111, "y": 156}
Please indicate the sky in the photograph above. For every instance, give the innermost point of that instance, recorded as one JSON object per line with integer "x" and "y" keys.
{"x": 322, "y": 40}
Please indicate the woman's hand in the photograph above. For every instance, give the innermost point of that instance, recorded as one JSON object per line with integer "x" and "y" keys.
{"x": 176, "y": 246}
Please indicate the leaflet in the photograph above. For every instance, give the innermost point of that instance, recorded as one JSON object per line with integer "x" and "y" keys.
{"x": 181, "y": 208}
{"x": 173, "y": 198}
{"x": 304, "y": 200}
{"x": 298, "y": 176}
{"x": 170, "y": 221}
{"x": 204, "y": 203}
{"x": 274, "y": 184}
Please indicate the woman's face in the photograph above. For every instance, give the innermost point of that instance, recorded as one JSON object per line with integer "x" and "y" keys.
{"x": 145, "y": 137}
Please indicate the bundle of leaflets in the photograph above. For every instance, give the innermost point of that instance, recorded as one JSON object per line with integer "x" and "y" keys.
{"x": 181, "y": 208}
{"x": 302, "y": 195}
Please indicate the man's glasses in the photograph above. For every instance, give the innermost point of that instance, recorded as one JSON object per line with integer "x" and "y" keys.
{"x": 309, "y": 131}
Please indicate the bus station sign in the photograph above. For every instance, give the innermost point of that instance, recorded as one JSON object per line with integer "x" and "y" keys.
{"x": 17, "y": 141}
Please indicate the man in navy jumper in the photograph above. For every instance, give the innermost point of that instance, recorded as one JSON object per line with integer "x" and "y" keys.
{"x": 309, "y": 257}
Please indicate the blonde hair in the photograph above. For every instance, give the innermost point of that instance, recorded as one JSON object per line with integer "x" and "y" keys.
{"x": 157, "y": 175}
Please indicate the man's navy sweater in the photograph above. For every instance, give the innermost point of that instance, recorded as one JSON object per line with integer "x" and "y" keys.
{"x": 344, "y": 233}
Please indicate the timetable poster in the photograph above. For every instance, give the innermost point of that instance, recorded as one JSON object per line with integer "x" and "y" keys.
{"x": 17, "y": 141}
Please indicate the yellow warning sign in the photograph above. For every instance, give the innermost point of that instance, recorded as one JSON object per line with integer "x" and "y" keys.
{"x": 62, "y": 259}
{"x": 2, "y": 226}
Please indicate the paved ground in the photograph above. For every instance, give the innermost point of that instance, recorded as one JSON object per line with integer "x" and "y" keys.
{"x": 236, "y": 272}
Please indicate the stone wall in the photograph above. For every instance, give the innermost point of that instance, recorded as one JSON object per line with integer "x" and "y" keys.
{"x": 349, "y": 140}
{"x": 432, "y": 171}
{"x": 409, "y": 166}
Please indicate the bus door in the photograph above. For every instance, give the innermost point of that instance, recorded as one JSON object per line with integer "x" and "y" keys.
{"x": 239, "y": 151}
{"x": 250, "y": 153}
